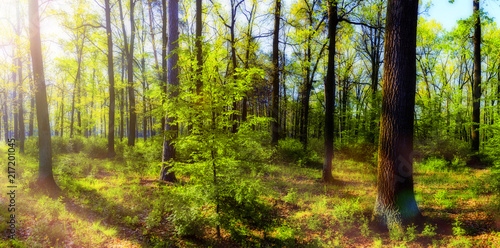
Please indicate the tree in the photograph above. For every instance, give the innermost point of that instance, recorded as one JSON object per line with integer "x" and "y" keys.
{"x": 275, "y": 74}
{"x": 129, "y": 52}
{"x": 476, "y": 87}
{"x": 330, "y": 92}
{"x": 111, "y": 79}
{"x": 45, "y": 176}
{"x": 173, "y": 91}
{"x": 395, "y": 203}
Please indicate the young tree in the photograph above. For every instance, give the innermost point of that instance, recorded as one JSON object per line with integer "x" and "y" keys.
{"x": 395, "y": 203}
{"x": 45, "y": 176}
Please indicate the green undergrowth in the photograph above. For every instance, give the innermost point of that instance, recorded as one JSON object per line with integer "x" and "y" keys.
{"x": 111, "y": 202}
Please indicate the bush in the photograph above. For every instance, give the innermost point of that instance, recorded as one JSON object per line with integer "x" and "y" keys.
{"x": 96, "y": 147}
{"x": 440, "y": 164}
{"x": 444, "y": 148}
{"x": 293, "y": 151}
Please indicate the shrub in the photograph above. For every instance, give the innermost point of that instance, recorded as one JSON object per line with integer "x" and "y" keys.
{"x": 429, "y": 230}
{"x": 293, "y": 151}
{"x": 291, "y": 197}
{"x": 96, "y": 147}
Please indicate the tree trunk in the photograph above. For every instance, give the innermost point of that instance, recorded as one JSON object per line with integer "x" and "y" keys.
{"x": 164, "y": 41}
{"x": 199, "y": 51}
{"x": 130, "y": 78}
{"x": 32, "y": 105}
{"x": 476, "y": 87}
{"x": 395, "y": 204}
{"x": 275, "y": 75}
{"x": 111, "y": 81}
{"x": 330, "y": 93}
{"x": 172, "y": 94}
{"x": 45, "y": 176}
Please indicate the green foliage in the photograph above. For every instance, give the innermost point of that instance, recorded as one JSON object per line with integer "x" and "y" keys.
{"x": 429, "y": 230}
{"x": 346, "y": 212}
{"x": 442, "y": 199}
{"x": 458, "y": 230}
{"x": 186, "y": 211}
{"x": 292, "y": 150}
{"x": 291, "y": 196}
{"x": 440, "y": 164}
{"x": 96, "y": 147}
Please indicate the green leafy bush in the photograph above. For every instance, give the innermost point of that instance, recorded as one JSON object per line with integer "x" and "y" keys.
{"x": 429, "y": 230}
{"x": 96, "y": 147}
{"x": 292, "y": 150}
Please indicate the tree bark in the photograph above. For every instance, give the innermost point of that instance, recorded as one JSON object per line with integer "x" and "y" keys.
{"x": 275, "y": 75}
{"x": 45, "y": 176}
{"x": 476, "y": 87}
{"x": 330, "y": 93}
{"x": 173, "y": 92}
{"x": 395, "y": 203}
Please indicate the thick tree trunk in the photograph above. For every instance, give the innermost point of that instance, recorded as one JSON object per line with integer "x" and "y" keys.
{"x": 45, "y": 176}
{"x": 395, "y": 203}
{"x": 476, "y": 87}
{"x": 111, "y": 81}
{"x": 275, "y": 75}
{"x": 330, "y": 93}
{"x": 172, "y": 94}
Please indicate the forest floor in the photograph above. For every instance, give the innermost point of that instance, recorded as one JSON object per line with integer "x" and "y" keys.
{"x": 107, "y": 204}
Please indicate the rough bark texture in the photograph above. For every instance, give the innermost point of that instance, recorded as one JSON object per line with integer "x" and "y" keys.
{"x": 275, "y": 75}
{"x": 45, "y": 176}
{"x": 330, "y": 93}
{"x": 172, "y": 94}
{"x": 476, "y": 87}
{"x": 395, "y": 203}
{"x": 111, "y": 80}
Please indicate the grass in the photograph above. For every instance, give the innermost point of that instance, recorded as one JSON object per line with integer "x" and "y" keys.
{"x": 107, "y": 203}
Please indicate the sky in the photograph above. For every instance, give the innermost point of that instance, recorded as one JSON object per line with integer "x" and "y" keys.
{"x": 448, "y": 14}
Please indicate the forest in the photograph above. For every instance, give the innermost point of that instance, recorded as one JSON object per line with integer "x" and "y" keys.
{"x": 248, "y": 123}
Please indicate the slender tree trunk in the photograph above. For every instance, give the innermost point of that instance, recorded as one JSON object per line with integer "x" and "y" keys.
{"x": 164, "y": 40}
{"x": 476, "y": 87}
{"x": 111, "y": 81}
{"x": 199, "y": 51}
{"x": 5, "y": 117}
{"x": 275, "y": 75}
{"x": 45, "y": 176}
{"x": 62, "y": 113}
{"x": 32, "y": 105}
{"x": 172, "y": 94}
{"x": 395, "y": 203}
{"x": 330, "y": 93}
